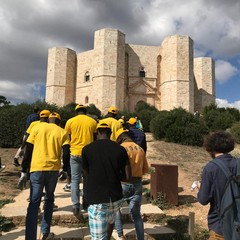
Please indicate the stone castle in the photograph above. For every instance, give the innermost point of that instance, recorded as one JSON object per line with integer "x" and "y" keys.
{"x": 115, "y": 73}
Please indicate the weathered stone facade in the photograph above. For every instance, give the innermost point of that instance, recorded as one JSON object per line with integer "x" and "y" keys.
{"x": 115, "y": 73}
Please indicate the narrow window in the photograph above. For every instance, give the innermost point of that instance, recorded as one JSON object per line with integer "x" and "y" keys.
{"x": 142, "y": 72}
{"x": 86, "y": 99}
{"x": 87, "y": 76}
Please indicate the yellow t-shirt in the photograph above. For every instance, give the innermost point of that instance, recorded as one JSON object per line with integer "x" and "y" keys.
{"x": 31, "y": 126}
{"x": 48, "y": 139}
{"x": 137, "y": 158}
{"x": 114, "y": 124}
{"x": 81, "y": 129}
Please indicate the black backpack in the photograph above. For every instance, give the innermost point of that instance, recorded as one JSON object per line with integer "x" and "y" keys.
{"x": 229, "y": 210}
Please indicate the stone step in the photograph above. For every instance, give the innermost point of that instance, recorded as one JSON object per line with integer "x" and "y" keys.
{"x": 68, "y": 227}
{"x": 152, "y": 231}
{"x": 17, "y": 210}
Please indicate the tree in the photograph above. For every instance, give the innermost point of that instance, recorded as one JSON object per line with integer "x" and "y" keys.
{"x": 3, "y": 101}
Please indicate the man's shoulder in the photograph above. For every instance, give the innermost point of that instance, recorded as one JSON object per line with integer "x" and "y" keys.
{"x": 106, "y": 143}
{"x": 110, "y": 119}
{"x": 136, "y": 131}
{"x": 84, "y": 117}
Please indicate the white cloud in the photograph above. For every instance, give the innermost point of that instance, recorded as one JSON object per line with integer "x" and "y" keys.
{"x": 29, "y": 28}
{"x": 19, "y": 93}
{"x": 212, "y": 25}
{"x": 224, "y": 103}
{"x": 224, "y": 71}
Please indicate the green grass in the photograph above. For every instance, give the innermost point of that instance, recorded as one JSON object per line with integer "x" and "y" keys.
{"x": 5, "y": 201}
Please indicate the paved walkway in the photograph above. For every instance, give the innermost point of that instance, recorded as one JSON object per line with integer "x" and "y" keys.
{"x": 64, "y": 216}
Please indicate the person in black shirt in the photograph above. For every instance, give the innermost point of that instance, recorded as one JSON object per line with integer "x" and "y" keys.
{"x": 105, "y": 164}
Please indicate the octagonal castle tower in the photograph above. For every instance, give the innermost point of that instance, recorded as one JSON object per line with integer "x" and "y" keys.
{"x": 121, "y": 74}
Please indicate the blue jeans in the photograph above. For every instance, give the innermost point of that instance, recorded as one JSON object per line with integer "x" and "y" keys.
{"x": 132, "y": 193}
{"x": 39, "y": 181}
{"x": 76, "y": 174}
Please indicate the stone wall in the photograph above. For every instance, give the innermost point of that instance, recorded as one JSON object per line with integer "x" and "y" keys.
{"x": 176, "y": 85}
{"x": 205, "y": 81}
{"x": 61, "y": 76}
{"x": 142, "y": 88}
{"x": 109, "y": 74}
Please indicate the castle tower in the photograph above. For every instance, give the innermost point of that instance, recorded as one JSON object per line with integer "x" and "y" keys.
{"x": 205, "y": 80}
{"x": 177, "y": 82}
{"x": 109, "y": 50}
{"x": 61, "y": 76}
{"x": 100, "y": 72}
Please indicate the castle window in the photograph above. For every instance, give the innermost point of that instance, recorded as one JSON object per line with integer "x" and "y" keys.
{"x": 142, "y": 72}
{"x": 86, "y": 99}
{"x": 87, "y": 76}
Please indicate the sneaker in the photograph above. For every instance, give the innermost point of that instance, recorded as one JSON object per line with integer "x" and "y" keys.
{"x": 67, "y": 188}
{"x": 48, "y": 236}
{"x": 76, "y": 211}
{"x": 16, "y": 163}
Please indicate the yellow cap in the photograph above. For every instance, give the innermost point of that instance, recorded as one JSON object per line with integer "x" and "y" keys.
{"x": 120, "y": 131}
{"x": 113, "y": 110}
{"x": 132, "y": 121}
{"x": 121, "y": 121}
{"x": 55, "y": 115}
{"x": 102, "y": 124}
{"x": 44, "y": 113}
{"x": 80, "y": 106}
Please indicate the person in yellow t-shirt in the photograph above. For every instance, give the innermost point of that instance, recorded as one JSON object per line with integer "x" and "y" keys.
{"x": 30, "y": 118}
{"x": 81, "y": 129}
{"x": 132, "y": 190}
{"x": 43, "y": 153}
{"x": 112, "y": 121}
{"x": 43, "y": 118}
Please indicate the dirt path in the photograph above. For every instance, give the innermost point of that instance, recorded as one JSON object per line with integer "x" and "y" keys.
{"x": 186, "y": 176}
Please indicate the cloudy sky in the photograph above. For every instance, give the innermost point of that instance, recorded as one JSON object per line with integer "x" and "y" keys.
{"x": 28, "y": 28}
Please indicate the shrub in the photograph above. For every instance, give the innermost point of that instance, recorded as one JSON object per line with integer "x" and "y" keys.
{"x": 146, "y": 116}
{"x": 218, "y": 119}
{"x": 144, "y": 106}
{"x": 235, "y": 113}
{"x": 67, "y": 112}
{"x": 12, "y": 125}
{"x": 159, "y": 124}
{"x": 13, "y": 118}
{"x": 93, "y": 111}
{"x": 12, "y": 122}
{"x": 161, "y": 201}
{"x": 5, "y": 224}
{"x": 191, "y": 133}
{"x": 179, "y": 126}
{"x": 235, "y": 131}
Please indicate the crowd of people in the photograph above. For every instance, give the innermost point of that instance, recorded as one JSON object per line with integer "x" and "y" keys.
{"x": 100, "y": 153}
{"x": 109, "y": 156}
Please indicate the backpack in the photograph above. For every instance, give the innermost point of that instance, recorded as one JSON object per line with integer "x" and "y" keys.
{"x": 229, "y": 211}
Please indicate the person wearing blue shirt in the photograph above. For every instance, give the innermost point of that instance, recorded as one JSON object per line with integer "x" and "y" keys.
{"x": 137, "y": 135}
{"x": 212, "y": 185}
